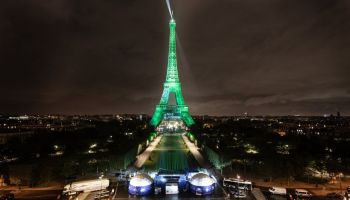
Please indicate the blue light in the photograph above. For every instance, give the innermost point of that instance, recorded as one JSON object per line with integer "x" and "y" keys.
{"x": 143, "y": 190}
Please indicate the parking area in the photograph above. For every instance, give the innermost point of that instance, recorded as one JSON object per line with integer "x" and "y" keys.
{"x": 291, "y": 195}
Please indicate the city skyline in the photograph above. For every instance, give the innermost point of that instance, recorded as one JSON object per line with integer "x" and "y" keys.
{"x": 270, "y": 58}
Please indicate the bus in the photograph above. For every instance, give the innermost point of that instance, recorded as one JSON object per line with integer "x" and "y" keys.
{"x": 237, "y": 183}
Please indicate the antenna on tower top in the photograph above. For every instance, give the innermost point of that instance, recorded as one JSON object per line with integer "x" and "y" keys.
{"x": 169, "y": 9}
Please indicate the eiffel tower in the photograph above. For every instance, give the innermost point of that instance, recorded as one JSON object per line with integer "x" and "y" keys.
{"x": 172, "y": 85}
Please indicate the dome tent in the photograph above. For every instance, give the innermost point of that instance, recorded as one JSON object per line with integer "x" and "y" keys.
{"x": 141, "y": 184}
{"x": 202, "y": 184}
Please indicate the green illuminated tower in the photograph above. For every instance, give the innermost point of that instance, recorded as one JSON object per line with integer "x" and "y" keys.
{"x": 172, "y": 85}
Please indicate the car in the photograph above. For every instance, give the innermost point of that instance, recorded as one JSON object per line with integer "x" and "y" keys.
{"x": 8, "y": 196}
{"x": 334, "y": 195}
{"x": 302, "y": 193}
{"x": 278, "y": 190}
{"x": 347, "y": 193}
{"x": 236, "y": 193}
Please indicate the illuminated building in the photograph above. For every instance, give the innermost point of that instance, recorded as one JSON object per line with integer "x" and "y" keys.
{"x": 172, "y": 85}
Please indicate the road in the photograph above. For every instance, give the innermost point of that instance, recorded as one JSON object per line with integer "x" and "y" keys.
{"x": 36, "y": 194}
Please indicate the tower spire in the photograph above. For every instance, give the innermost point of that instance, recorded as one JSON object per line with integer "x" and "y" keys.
{"x": 172, "y": 72}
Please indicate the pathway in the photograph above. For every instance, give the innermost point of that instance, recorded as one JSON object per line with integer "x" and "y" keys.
{"x": 197, "y": 155}
{"x": 141, "y": 159}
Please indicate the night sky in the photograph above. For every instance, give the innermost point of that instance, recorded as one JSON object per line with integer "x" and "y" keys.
{"x": 270, "y": 57}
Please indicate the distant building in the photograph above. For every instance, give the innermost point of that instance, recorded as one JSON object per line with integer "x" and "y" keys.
{"x": 5, "y": 137}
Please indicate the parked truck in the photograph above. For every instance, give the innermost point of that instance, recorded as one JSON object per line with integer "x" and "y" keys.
{"x": 86, "y": 186}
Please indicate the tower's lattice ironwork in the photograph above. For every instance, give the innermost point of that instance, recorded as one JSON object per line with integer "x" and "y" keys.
{"x": 172, "y": 85}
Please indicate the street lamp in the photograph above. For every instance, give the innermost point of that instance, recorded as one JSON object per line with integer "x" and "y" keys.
{"x": 340, "y": 175}
{"x": 101, "y": 184}
{"x": 238, "y": 190}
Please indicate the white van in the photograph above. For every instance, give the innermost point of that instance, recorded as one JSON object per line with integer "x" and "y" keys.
{"x": 302, "y": 193}
{"x": 278, "y": 190}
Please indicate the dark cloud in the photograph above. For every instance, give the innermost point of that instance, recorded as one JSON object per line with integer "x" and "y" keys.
{"x": 109, "y": 56}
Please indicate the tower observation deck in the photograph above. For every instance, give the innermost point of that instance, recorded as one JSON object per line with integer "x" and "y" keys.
{"x": 172, "y": 85}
